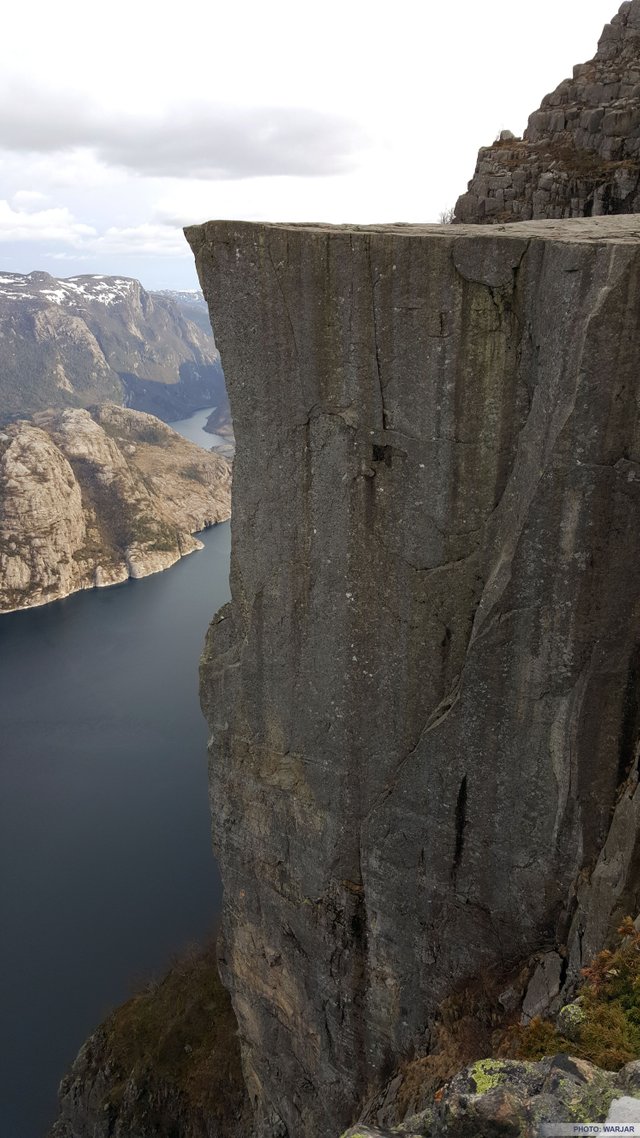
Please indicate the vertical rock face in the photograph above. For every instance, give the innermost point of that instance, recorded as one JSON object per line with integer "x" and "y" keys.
{"x": 423, "y": 697}
{"x": 580, "y": 155}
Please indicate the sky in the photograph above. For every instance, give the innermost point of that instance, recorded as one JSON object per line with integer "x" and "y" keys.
{"x": 121, "y": 122}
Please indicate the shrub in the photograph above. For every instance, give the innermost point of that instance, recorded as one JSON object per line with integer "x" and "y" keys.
{"x": 609, "y": 1032}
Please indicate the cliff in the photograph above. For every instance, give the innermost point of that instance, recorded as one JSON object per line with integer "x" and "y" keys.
{"x": 423, "y": 697}
{"x": 94, "y": 498}
{"x": 580, "y": 155}
{"x": 83, "y": 340}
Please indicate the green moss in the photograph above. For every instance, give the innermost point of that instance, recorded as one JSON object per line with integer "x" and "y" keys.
{"x": 487, "y": 1074}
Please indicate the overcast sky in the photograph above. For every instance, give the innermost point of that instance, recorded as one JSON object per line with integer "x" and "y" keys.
{"x": 122, "y": 122}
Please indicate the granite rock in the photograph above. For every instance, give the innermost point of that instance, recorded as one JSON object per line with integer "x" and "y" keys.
{"x": 423, "y": 697}
{"x": 580, "y": 154}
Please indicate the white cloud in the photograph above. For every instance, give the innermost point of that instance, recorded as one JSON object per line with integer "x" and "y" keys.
{"x": 146, "y": 238}
{"x": 28, "y": 200}
{"x": 75, "y": 256}
{"x": 57, "y": 224}
{"x": 190, "y": 140}
{"x": 349, "y": 111}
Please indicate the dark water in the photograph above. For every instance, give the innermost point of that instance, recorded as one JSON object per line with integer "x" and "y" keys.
{"x": 105, "y": 861}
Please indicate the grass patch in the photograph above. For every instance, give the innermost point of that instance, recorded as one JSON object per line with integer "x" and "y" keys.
{"x": 182, "y": 1032}
{"x": 194, "y": 473}
{"x": 609, "y": 1032}
{"x": 560, "y": 155}
{"x": 463, "y": 1034}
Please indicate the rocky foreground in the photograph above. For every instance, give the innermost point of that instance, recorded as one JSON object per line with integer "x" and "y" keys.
{"x": 92, "y": 498}
{"x": 507, "y": 1099}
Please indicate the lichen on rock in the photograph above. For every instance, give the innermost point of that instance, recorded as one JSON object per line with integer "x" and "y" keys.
{"x": 494, "y": 1098}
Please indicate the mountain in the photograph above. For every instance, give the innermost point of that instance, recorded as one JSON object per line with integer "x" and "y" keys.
{"x": 84, "y": 340}
{"x": 192, "y": 304}
{"x": 580, "y": 155}
{"x": 93, "y": 497}
{"x": 423, "y": 698}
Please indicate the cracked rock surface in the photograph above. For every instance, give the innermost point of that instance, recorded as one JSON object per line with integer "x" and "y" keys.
{"x": 423, "y": 696}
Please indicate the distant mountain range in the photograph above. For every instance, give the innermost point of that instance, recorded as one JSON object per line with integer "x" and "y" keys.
{"x": 86, "y": 340}
{"x": 192, "y": 304}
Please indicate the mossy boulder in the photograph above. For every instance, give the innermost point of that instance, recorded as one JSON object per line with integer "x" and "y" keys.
{"x": 570, "y": 1019}
{"x": 505, "y": 1098}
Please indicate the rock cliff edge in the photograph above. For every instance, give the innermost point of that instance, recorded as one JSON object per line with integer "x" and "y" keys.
{"x": 423, "y": 697}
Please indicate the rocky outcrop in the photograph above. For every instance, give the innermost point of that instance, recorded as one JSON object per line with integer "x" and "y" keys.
{"x": 219, "y": 424}
{"x": 164, "y": 1065}
{"x": 94, "y": 339}
{"x": 498, "y": 1098}
{"x": 94, "y": 498}
{"x": 580, "y": 155}
{"x": 423, "y": 697}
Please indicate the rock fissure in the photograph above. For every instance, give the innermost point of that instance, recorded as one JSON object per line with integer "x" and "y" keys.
{"x": 461, "y": 822}
{"x": 376, "y": 348}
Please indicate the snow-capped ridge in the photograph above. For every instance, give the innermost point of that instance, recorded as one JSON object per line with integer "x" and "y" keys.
{"x": 63, "y": 290}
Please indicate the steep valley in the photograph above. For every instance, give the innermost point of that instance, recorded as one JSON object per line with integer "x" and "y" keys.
{"x": 107, "y": 867}
{"x": 79, "y": 341}
{"x": 423, "y": 696}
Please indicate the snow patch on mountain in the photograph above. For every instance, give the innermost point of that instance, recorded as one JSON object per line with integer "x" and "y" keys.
{"x": 90, "y": 287}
